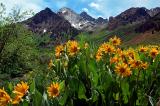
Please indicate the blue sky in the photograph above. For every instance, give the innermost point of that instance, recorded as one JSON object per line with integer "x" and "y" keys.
{"x": 95, "y": 8}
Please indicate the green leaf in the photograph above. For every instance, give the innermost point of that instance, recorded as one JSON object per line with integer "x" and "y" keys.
{"x": 25, "y": 103}
{"x": 32, "y": 87}
{"x": 37, "y": 98}
{"x": 93, "y": 74}
{"x": 125, "y": 91}
{"x": 10, "y": 86}
{"x": 81, "y": 91}
{"x": 63, "y": 99}
{"x": 74, "y": 84}
{"x": 62, "y": 85}
{"x": 117, "y": 96}
{"x": 95, "y": 95}
{"x": 45, "y": 100}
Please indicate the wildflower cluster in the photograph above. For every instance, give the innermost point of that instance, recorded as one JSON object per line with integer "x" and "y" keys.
{"x": 78, "y": 71}
{"x": 71, "y": 47}
{"x": 21, "y": 90}
{"x": 124, "y": 61}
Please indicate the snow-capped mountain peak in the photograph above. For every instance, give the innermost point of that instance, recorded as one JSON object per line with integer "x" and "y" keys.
{"x": 79, "y": 21}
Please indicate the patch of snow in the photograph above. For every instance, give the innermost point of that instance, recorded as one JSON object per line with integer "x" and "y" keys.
{"x": 44, "y": 30}
{"x": 64, "y": 11}
{"x": 73, "y": 25}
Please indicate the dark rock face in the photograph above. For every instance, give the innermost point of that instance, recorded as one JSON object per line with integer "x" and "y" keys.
{"x": 154, "y": 11}
{"x": 87, "y": 17}
{"x": 47, "y": 21}
{"x": 152, "y": 24}
{"x": 101, "y": 20}
{"x": 128, "y": 17}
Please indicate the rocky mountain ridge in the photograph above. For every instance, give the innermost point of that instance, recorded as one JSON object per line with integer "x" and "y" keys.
{"x": 46, "y": 21}
{"x": 132, "y": 15}
{"x": 67, "y": 21}
{"x": 81, "y": 21}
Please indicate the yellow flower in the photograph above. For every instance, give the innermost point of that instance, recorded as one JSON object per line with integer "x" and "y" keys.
{"x": 130, "y": 53}
{"x": 53, "y": 90}
{"x": 106, "y": 48}
{"x": 135, "y": 63}
{"x": 59, "y": 49}
{"x": 50, "y": 65}
{"x": 115, "y": 41}
{"x": 110, "y": 49}
{"x": 123, "y": 70}
{"x": 16, "y": 100}
{"x": 153, "y": 52}
{"x": 98, "y": 56}
{"x": 144, "y": 65}
{"x": 114, "y": 60}
{"x": 4, "y": 98}
{"x": 118, "y": 50}
{"x": 72, "y": 48}
{"x": 86, "y": 45}
{"x": 21, "y": 89}
{"x": 143, "y": 49}
{"x": 122, "y": 55}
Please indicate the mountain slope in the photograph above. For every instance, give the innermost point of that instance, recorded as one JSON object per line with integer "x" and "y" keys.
{"x": 76, "y": 20}
{"x": 129, "y": 16}
{"x": 99, "y": 20}
{"x": 152, "y": 24}
{"x": 87, "y": 17}
{"x": 49, "y": 22}
{"x": 154, "y": 11}
{"x": 82, "y": 21}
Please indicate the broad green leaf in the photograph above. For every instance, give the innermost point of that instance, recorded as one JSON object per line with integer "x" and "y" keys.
{"x": 95, "y": 95}
{"x": 62, "y": 85}
{"x": 45, "y": 100}
{"x": 125, "y": 91}
{"x": 25, "y": 103}
{"x": 81, "y": 91}
{"x": 93, "y": 74}
{"x": 37, "y": 98}
{"x": 32, "y": 87}
{"x": 117, "y": 96}
{"x": 62, "y": 100}
{"x": 10, "y": 86}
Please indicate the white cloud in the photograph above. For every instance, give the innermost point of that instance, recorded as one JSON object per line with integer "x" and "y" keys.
{"x": 35, "y": 5}
{"x": 105, "y": 8}
{"x": 90, "y": 12}
{"x": 85, "y": 9}
{"x": 100, "y": 7}
{"x": 95, "y": 5}
{"x": 108, "y": 8}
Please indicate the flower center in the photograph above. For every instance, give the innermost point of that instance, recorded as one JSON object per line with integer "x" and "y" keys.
{"x": 122, "y": 70}
{"x": 55, "y": 91}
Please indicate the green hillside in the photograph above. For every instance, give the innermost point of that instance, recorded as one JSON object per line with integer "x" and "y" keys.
{"x": 126, "y": 33}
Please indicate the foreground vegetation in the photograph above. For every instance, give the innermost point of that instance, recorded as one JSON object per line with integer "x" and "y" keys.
{"x": 79, "y": 74}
